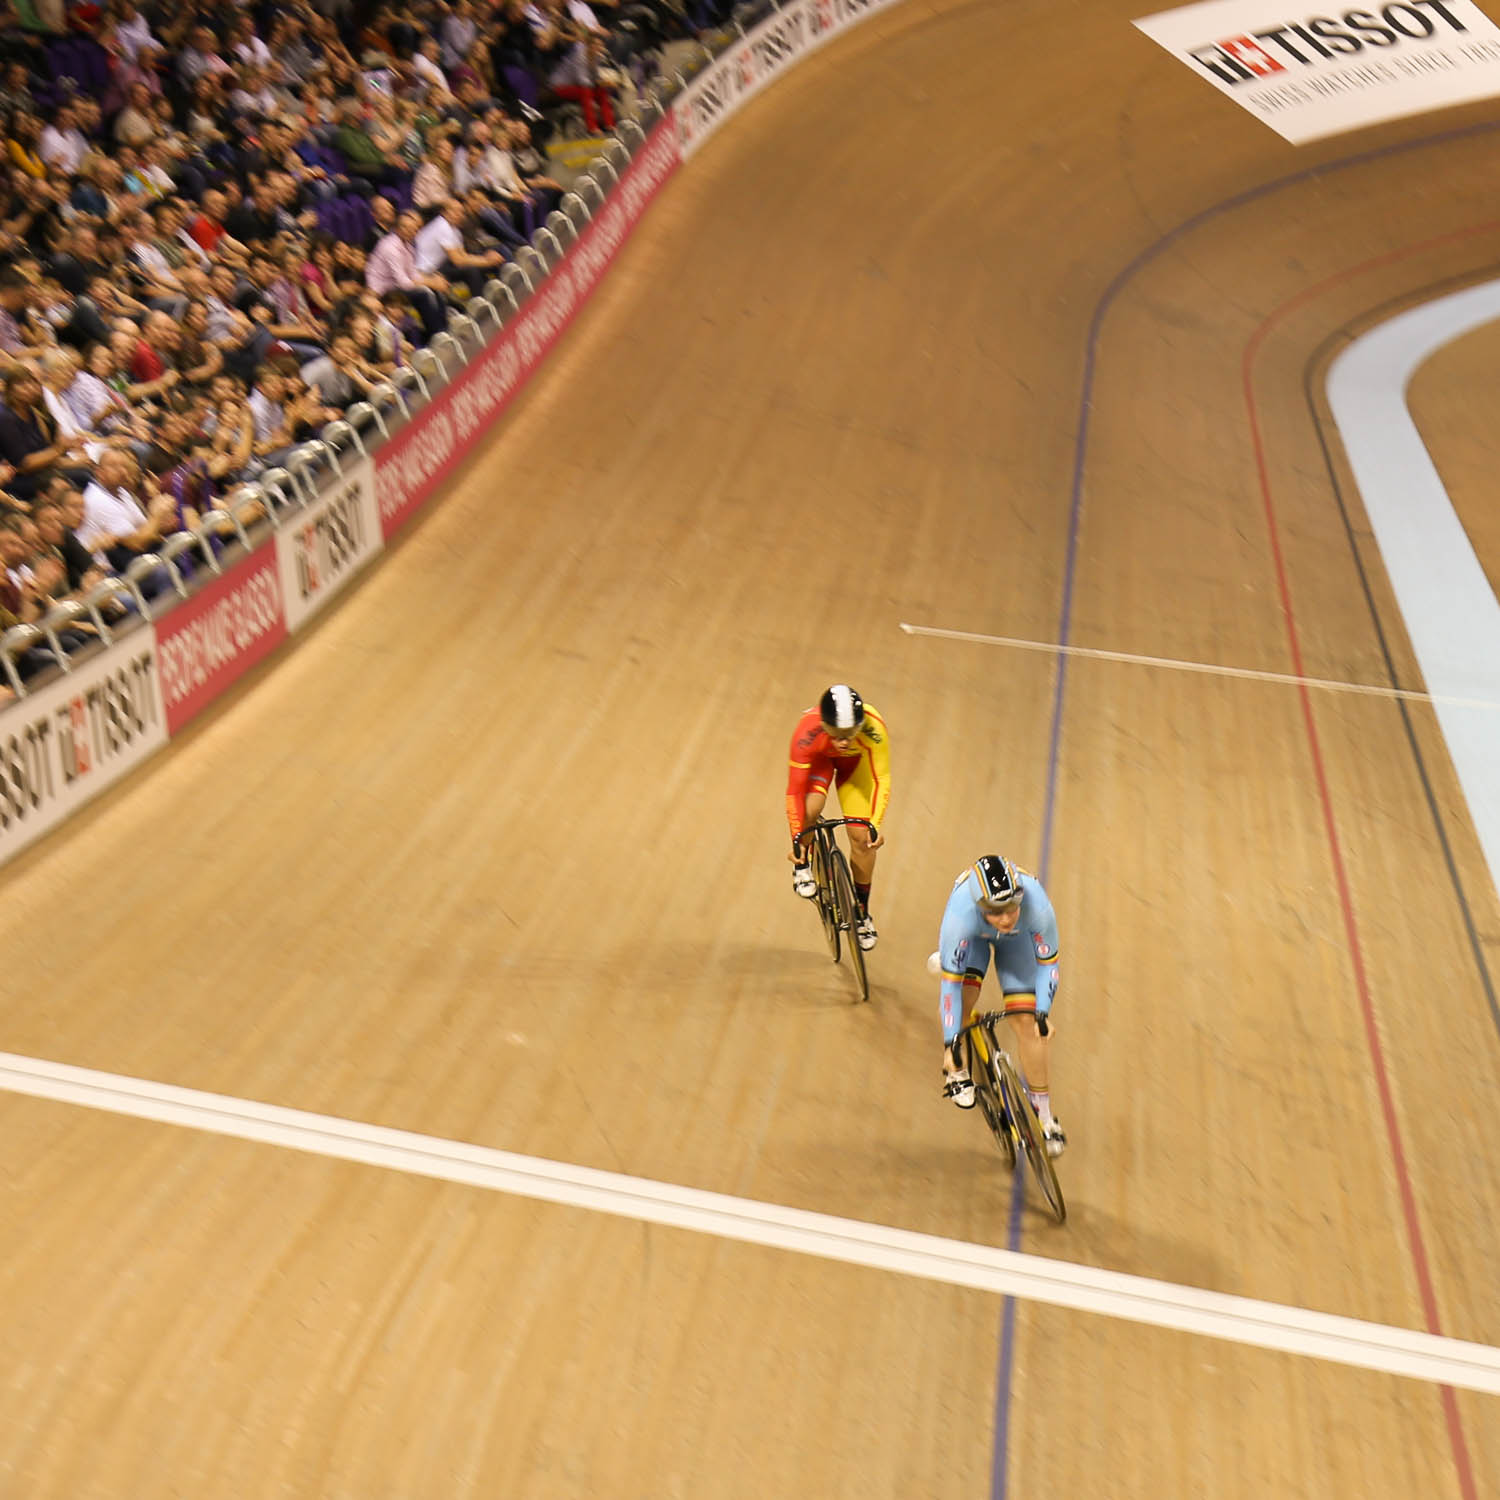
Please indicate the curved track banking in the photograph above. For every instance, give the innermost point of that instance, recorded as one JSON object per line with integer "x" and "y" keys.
{"x": 495, "y": 856}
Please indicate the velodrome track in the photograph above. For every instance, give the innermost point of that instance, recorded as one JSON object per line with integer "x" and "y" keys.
{"x": 496, "y": 857}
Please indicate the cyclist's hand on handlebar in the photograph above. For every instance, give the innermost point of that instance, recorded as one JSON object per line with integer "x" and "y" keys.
{"x": 877, "y": 839}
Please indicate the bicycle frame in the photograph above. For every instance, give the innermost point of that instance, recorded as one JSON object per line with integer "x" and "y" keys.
{"x": 835, "y": 896}
{"x": 1006, "y": 1106}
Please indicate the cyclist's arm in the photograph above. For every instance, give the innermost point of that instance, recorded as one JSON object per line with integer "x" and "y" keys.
{"x": 880, "y": 766}
{"x": 957, "y": 957}
{"x": 1042, "y": 932}
{"x": 801, "y": 763}
{"x": 798, "y": 779}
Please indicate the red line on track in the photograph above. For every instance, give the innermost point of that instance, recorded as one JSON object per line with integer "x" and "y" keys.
{"x": 1415, "y": 1243}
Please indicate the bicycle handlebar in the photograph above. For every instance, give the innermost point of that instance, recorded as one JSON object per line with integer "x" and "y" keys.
{"x": 830, "y": 823}
{"x": 980, "y": 1017}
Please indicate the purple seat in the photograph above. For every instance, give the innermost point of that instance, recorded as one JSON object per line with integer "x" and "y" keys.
{"x": 93, "y": 60}
{"x": 347, "y": 218}
{"x": 64, "y": 66}
{"x": 400, "y": 195}
{"x": 523, "y": 85}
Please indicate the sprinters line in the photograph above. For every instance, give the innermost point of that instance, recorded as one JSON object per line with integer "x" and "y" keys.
{"x": 1240, "y": 1320}
{"x": 1207, "y": 669}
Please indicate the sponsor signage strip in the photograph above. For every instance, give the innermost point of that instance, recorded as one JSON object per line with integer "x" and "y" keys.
{"x": 212, "y": 640}
{"x": 324, "y": 546}
{"x": 1313, "y": 74}
{"x": 65, "y": 744}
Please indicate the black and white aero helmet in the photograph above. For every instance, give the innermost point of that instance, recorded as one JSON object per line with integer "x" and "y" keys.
{"x": 999, "y": 885}
{"x": 842, "y": 710}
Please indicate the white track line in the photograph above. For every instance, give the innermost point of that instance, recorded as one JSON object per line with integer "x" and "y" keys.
{"x": 1292, "y": 1330}
{"x": 1175, "y": 664}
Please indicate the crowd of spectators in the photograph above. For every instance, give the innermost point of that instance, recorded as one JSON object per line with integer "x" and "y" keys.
{"x": 222, "y": 223}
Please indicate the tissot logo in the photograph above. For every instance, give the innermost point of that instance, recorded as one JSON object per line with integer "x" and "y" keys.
{"x": 1242, "y": 59}
{"x": 1308, "y": 75}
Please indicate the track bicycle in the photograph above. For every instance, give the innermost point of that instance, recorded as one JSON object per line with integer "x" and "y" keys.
{"x": 1007, "y": 1107}
{"x": 834, "y": 899}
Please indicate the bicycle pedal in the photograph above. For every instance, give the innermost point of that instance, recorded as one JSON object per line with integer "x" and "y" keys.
{"x": 960, "y": 1089}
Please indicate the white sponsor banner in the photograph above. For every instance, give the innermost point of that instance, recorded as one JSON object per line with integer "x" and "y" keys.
{"x": 1310, "y": 73}
{"x": 739, "y": 73}
{"x": 65, "y": 744}
{"x": 324, "y": 546}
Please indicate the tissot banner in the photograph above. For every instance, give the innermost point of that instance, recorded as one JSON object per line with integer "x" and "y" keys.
{"x": 1310, "y": 73}
{"x": 63, "y": 745}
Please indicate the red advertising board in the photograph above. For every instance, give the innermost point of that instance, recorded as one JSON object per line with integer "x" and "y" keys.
{"x": 218, "y": 635}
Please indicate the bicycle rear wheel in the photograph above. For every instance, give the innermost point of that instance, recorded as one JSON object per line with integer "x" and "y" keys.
{"x": 1029, "y": 1128}
{"x": 843, "y": 885}
{"x": 827, "y": 896}
{"x": 990, "y": 1103}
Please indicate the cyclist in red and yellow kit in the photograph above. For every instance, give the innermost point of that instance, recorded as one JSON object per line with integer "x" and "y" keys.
{"x": 842, "y": 742}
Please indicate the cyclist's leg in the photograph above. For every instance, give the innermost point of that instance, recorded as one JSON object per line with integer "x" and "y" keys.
{"x": 856, "y": 798}
{"x": 1021, "y": 981}
{"x": 856, "y": 783}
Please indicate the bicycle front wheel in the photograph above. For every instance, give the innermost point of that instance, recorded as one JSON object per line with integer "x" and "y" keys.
{"x": 1029, "y": 1128}
{"x": 843, "y": 885}
{"x": 827, "y": 896}
{"x": 991, "y": 1105}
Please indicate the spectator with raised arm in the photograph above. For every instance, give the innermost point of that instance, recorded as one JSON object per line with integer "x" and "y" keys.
{"x": 133, "y": 34}
{"x": 29, "y": 438}
{"x": 154, "y": 359}
{"x": 392, "y": 266}
{"x": 136, "y": 123}
{"x": 341, "y": 376}
{"x": 200, "y": 58}
{"x": 61, "y": 145}
{"x": 353, "y": 140}
{"x": 81, "y": 569}
{"x": 439, "y": 249}
{"x": 115, "y": 522}
{"x": 20, "y": 599}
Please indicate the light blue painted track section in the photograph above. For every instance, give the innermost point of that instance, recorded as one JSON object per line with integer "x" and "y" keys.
{"x": 1448, "y": 607}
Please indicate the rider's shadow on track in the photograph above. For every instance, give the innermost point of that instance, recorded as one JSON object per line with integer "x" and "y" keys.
{"x": 802, "y": 977}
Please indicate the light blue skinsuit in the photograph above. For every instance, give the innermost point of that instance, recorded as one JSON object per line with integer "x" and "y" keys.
{"x": 1025, "y": 960}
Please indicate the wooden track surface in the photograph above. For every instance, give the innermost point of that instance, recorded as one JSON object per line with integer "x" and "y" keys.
{"x": 497, "y": 855}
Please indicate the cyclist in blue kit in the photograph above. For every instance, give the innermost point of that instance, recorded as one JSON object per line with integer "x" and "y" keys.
{"x": 997, "y": 909}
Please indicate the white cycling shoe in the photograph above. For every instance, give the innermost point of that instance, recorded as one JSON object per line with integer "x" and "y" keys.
{"x": 1054, "y": 1140}
{"x": 864, "y": 932}
{"x": 803, "y": 882}
{"x": 959, "y": 1087}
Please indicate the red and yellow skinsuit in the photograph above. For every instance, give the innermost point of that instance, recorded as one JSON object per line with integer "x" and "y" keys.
{"x": 863, "y": 775}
